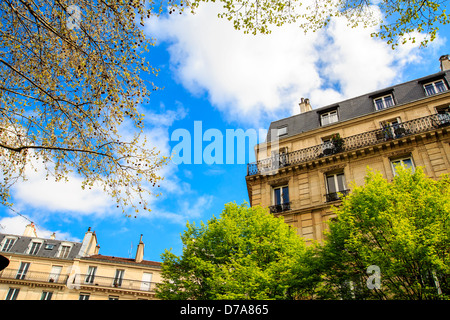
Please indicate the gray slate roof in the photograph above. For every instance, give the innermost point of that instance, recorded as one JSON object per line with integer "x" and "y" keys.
{"x": 21, "y": 245}
{"x": 359, "y": 106}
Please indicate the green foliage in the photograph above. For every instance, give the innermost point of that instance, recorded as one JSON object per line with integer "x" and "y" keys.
{"x": 71, "y": 83}
{"x": 402, "y": 227}
{"x": 398, "y": 20}
{"x": 245, "y": 254}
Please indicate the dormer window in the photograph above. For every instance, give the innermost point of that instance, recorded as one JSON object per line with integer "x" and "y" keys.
{"x": 435, "y": 87}
{"x": 384, "y": 102}
{"x": 328, "y": 117}
{"x": 282, "y": 131}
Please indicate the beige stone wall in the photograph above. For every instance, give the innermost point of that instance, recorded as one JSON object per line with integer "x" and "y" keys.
{"x": 307, "y": 186}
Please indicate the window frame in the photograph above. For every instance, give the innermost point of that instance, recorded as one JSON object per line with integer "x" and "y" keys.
{"x": 383, "y": 101}
{"x": 401, "y": 159}
{"x": 433, "y": 85}
{"x": 274, "y": 198}
{"x": 22, "y": 270}
{"x": 34, "y": 247}
{"x": 8, "y": 242}
{"x": 118, "y": 278}
{"x": 12, "y": 294}
{"x": 46, "y": 295}
{"x": 333, "y": 196}
{"x": 63, "y": 253}
{"x": 327, "y": 115}
{"x": 90, "y": 275}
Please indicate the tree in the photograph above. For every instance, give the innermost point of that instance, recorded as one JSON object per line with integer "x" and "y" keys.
{"x": 71, "y": 81}
{"x": 245, "y": 254}
{"x": 400, "y": 229}
{"x": 399, "y": 19}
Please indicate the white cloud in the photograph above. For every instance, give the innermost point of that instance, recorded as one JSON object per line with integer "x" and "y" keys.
{"x": 251, "y": 77}
{"x": 16, "y": 225}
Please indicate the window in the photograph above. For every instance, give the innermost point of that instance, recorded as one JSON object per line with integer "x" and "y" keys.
{"x": 84, "y": 296}
{"x": 118, "y": 278}
{"x": 335, "y": 183}
{"x": 392, "y": 128}
{"x": 49, "y": 246}
{"x": 434, "y": 87}
{"x": 282, "y": 131}
{"x": 384, "y": 102}
{"x": 406, "y": 162}
{"x": 113, "y": 298}
{"x": 12, "y": 294}
{"x": 64, "y": 251}
{"x": 7, "y": 244}
{"x": 281, "y": 195}
{"x": 280, "y": 199}
{"x": 146, "y": 281}
{"x": 54, "y": 273}
{"x": 34, "y": 247}
{"x": 90, "y": 274}
{"x": 46, "y": 295}
{"x": 23, "y": 269}
{"x": 328, "y": 117}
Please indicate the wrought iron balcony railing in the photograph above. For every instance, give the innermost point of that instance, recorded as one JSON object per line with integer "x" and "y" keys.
{"x": 280, "y": 207}
{"x": 333, "y": 196}
{"x": 33, "y": 276}
{"x": 354, "y": 142}
{"x": 111, "y": 282}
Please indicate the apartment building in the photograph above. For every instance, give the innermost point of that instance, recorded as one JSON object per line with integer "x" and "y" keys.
{"x": 308, "y": 160}
{"x": 51, "y": 269}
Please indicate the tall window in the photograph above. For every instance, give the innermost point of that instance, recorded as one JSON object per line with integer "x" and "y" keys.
{"x": 90, "y": 274}
{"x": 46, "y": 295}
{"x": 328, "y": 117}
{"x": 64, "y": 251}
{"x": 384, "y": 102}
{"x": 281, "y": 195}
{"x": 435, "y": 87}
{"x": 7, "y": 244}
{"x": 335, "y": 183}
{"x": 84, "y": 296}
{"x": 118, "y": 278}
{"x": 23, "y": 269}
{"x": 34, "y": 248}
{"x": 406, "y": 162}
{"x": 12, "y": 294}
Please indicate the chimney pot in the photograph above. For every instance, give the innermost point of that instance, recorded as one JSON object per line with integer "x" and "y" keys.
{"x": 445, "y": 62}
{"x": 305, "y": 106}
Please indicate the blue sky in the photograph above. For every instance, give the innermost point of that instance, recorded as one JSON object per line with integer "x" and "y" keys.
{"x": 224, "y": 80}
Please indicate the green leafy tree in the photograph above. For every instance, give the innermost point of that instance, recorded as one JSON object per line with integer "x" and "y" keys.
{"x": 71, "y": 81}
{"x": 399, "y": 20}
{"x": 245, "y": 254}
{"x": 402, "y": 228}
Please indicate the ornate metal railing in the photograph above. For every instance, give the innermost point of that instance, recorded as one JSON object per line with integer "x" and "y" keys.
{"x": 33, "y": 276}
{"x": 357, "y": 141}
{"x": 111, "y": 282}
{"x": 280, "y": 207}
{"x": 333, "y": 196}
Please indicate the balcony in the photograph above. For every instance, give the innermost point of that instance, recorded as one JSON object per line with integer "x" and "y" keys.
{"x": 280, "y": 207}
{"x": 106, "y": 283}
{"x": 354, "y": 142}
{"x": 334, "y": 196}
{"x": 41, "y": 278}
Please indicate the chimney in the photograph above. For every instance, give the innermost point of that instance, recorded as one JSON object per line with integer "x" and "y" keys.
{"x": 89, "y": 244}
{"x": 445, "y": 62}
{"x": 304, "y": 105}
{"x": 140, "y": 251}
{"x": 30, "y": 230}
